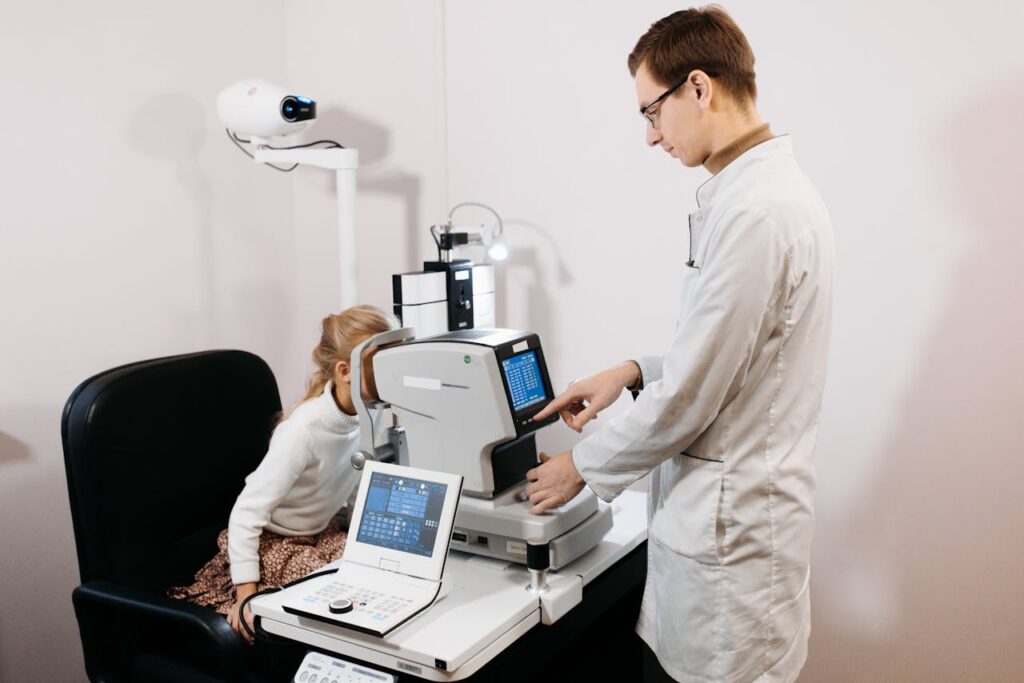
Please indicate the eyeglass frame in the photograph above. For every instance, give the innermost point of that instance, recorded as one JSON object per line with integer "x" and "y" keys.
{"x": 644, "y": 111}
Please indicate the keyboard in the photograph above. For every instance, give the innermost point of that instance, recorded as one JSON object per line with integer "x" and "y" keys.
{"x": 375, "y": 605}
{"x": 367, "y": 599}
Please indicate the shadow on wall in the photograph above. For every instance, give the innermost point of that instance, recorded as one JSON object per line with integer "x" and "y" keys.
{"x": 38, "y": 556}
{"x": 371, "y": 139}
{"x": 373, "y": 142}
{"x": 929, "y": 586}
{"x": 541, "y": 286}
{"x": 535, "y": 261}
{"x": 172, "y": 127}
{"x": 12, "y": 450}
{"x": 408, "y": 188}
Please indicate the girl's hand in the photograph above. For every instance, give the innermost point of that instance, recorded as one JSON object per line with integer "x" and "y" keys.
{"x": 242, "y": 591}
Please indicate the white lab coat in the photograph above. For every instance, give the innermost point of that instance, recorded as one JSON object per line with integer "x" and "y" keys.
{"x": 727, "y": 421}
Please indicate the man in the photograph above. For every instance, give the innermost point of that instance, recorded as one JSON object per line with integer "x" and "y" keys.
{"x": 726, "y": 421}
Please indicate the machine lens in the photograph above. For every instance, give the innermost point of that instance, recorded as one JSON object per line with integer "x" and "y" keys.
{"x": 289, "y": 107}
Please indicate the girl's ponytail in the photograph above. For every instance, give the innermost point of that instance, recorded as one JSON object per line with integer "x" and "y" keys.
{"x": 340, "y": 333}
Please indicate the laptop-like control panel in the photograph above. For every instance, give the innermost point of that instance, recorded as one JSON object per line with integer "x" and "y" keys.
{"x": 375, "y": 605}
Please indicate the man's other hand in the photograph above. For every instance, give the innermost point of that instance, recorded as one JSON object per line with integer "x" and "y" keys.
{"x": 555, "y": 482}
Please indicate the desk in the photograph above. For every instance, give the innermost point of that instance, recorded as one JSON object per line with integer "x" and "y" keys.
{"x": 487, "y": 613}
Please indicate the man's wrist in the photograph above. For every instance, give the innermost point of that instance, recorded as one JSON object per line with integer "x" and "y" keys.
{"x": 636, "y": 376}
{"x": 572, "y": 463}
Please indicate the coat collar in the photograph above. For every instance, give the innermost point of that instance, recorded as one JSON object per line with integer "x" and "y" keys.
{"x": 772, "y": 148}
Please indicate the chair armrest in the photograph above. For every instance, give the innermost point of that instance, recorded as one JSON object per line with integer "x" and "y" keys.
{"x": 203, "y": 621}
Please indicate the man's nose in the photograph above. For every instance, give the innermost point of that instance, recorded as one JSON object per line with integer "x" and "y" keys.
{"x": 653, "y": 136}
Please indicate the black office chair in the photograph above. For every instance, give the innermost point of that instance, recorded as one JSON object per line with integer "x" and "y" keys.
{"x": 156, "y": 453}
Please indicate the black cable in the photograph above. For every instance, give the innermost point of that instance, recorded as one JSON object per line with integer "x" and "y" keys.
{"x": 436, "y": 241}
{"x": 259, "y": 633}
{"x": 237, "y": 140}
{"x": 373, "y": 430}
{"x": 331, "y": 144}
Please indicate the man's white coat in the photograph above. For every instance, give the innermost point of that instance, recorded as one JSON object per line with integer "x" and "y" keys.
{"x": 727, "y": 421}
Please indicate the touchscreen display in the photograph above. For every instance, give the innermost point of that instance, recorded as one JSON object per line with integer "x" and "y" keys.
{"x": 402, "y": 513}
{"x": 522, "y": 373}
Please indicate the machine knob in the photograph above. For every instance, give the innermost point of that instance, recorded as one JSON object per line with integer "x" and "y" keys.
{"x": 359, "y": 459}
{"x": 340, "y": 606}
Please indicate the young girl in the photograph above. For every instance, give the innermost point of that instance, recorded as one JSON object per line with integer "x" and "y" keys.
{"x": 282, "y": 526}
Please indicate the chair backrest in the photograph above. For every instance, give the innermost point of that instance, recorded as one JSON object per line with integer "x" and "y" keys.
{"x": 156, "y": 453}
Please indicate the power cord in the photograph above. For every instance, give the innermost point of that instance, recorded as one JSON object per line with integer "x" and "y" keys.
{"x": 437, "y": 240}
{"x": 330, "y": 144}
{"x": 501, "y": 226}
{"x": 451, "y": 213}
{"x": 259, "y": 633}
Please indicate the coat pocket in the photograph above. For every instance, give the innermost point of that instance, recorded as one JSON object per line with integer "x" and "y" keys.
{"x": 686, "y": 516}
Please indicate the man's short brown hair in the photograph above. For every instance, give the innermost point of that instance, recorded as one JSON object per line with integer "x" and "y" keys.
{"x": 703, "y": 38}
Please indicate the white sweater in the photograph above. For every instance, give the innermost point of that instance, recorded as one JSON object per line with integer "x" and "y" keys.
{"x": 304, "y": 479}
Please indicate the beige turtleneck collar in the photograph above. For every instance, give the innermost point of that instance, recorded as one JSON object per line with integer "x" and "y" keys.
{"x": 728, "y": 154}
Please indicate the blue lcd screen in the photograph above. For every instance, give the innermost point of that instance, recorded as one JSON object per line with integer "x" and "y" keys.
{"x": 402, "y": 513}
{"x": 522, "y": 373}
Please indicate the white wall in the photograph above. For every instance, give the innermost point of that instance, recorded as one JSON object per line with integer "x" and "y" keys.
{"x": 140, "y": 231}
{"x": 375, "y": 69}
{"x": 907, "y": 117}
{"x": 131, "y": 228}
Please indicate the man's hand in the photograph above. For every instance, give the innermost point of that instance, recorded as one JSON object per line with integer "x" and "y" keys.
{"x": 583, "y": 400}
{"x": 242, "y": 591}
{"x": 555, "y": 482}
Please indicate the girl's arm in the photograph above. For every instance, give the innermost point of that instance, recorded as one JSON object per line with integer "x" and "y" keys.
{"x": 289, "y": 453}
{"x": 242, "y": 591}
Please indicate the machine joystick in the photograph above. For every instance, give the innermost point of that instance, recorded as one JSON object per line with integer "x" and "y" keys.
{"x": 538, "y": 559}
{"x": 340, "y": 606}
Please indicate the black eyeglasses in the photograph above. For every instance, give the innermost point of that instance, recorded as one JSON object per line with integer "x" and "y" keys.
{"x": 649, "y": 112}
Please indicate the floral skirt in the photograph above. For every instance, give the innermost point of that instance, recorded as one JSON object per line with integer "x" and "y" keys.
{"x": 282, "y": 559}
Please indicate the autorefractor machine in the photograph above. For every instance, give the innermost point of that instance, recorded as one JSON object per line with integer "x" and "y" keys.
{"x": 463, "y": 403}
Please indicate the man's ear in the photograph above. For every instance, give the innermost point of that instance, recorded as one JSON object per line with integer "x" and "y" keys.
{"x": 342, "y": 372}
{"x": 702, "y": 87}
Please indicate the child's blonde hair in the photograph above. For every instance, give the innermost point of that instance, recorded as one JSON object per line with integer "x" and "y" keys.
{"x": 340, "y": 333}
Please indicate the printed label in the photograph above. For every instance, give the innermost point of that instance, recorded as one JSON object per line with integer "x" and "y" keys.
{"x": 422, "y": 383}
